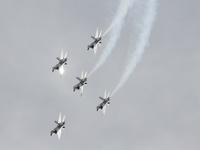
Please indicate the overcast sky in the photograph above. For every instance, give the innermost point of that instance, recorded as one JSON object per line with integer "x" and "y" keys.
{"x": 157, "y": 108}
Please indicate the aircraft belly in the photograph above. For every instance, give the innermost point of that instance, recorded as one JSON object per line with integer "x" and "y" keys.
{"x": 76, "y": 86}
{"x": 56, "y": 129}
{"x": 59, "y": 65}
{"x": 100, "y": 106}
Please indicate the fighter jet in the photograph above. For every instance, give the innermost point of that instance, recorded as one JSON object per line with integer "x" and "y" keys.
{"x": 62, "y": 61}
{"x": 60, "y": 125}
{"x": 106, "y": 101}
{"x": 82, "y": 82}
{"x": 97, "y": 41}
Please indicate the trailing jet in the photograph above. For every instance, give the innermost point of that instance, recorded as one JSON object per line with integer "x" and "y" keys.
{"x": 82, "y": 82}
{"x": 106, "y": 101}
{"x": 60, "y": 125}
{"x": 62, "y": 61}
{"x": 97, "y": 41}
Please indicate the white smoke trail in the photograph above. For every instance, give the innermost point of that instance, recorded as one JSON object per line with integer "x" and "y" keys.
{"x": 116, "y": 27}
{"x": 121, "y": 13}
{"x": 144, "y": 29}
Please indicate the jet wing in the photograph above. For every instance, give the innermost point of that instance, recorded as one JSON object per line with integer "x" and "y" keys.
{"x": 104, "y": 109}
{"x": 59, "y": 133}
{"x": 95, "y": 49}
{"x": 81, "y": 90}
{"x": 61, "y": 70}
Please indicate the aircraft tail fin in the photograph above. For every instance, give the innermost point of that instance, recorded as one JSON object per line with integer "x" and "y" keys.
{"x": 59, "y": 118}
{"x": 100, "y": 34}
{"x": 85, "y": 75}
{"x": 82, "y": 74}
{"x": 105, "y": 94}
{"x": 61, "y": 54}
{"x": 96, "y": 35}
{"x": 65, "y": 55}
{"x": 63, "y": 118}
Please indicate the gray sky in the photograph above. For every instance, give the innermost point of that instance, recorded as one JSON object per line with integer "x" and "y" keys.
{"x": 158, "y": 108}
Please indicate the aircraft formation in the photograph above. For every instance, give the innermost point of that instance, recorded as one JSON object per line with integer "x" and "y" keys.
{"x": 82, "y": 82}
{"x": 141, "y": 33}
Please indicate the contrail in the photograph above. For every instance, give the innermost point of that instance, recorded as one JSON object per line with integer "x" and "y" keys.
{"x": 142, "y": 29}
{"x": 116, "y": 27}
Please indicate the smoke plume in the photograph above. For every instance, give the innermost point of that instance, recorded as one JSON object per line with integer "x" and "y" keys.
{"x": 139, "y": 39}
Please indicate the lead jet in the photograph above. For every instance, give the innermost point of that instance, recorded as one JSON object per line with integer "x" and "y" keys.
{"x": 60, "y": 125}
{"x": 106, "y": 101}
{"x": 82, "y": 82}
{"x": 97, "y": 41}
{"x": 62, "y": 61}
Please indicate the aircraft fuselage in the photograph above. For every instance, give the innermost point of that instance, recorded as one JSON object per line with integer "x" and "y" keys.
{"x": 105, "y": 101}
{"x": 60, "y": 63}
{"x": 81, "y": 83}
{"x": 59, "y": 126}
{"x": 96, "y": 41}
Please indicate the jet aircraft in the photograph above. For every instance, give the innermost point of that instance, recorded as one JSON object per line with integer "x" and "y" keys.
{"x": 97, "y": 41}
{"x": 106, "y": 101}
{"x": 60, "y": 125}
{"x": 62, "y": 61}
{"x": 82, "y": 82}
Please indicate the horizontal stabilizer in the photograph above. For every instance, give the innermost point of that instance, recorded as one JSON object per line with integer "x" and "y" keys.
{"x": 78, "y": 78}
{"x": 101, "y": 98}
